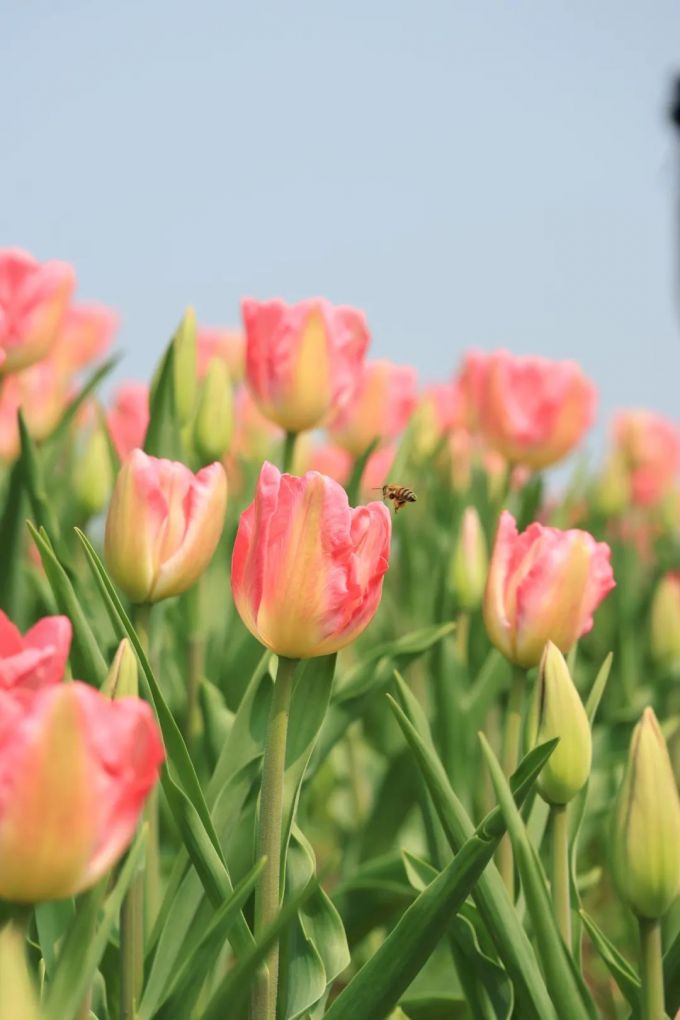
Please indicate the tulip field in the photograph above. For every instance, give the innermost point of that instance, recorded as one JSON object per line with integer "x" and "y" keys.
{"x": 316, "y": 699}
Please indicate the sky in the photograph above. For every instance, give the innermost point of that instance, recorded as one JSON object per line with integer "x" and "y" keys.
{"x": 475, "y": 173}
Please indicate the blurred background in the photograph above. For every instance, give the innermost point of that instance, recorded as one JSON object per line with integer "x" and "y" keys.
{"x": 471, "y": 174}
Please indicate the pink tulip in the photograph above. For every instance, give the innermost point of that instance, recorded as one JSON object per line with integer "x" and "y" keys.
{"x": 307, "y": 569}
{"x": 543, "y": 585}
{"x": 42, "y": 393}
{"x": 75, "y": 770}
{"x": 163, "y": 525}
{"x": 649, "y": 447}
{"x": 385, "y": 398}
{"x": 377, "y": 470}
{"x": 303, "y": 360}
{"x": 229, "y": 345}
{"x": 33, "y": 299}
{"x": 532, "y": 410}
{"x": 331, "y": 461}
{"x": 37, "y": 658}
{"x": 128, "y": 419}
{"x": 86, "y": 333}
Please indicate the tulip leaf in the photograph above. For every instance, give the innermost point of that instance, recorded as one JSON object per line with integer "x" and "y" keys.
{"x": 671, "y": 971}
{"x": 568, "y": 990}
{"x": 86, "y": 657}
{"x": 353, "y": 486}
{"x": 490, "y": 894}
{"x": 178, "y": 778}
{"x": 35, "y": 486}
{"x": 199, "y": 956}
{"x": 86, "y": 390}
{"x": 12, "y": 542}
{"x": 163, "y": 434}
{"x": 627, "y": 980}
{"x": 86, "y": 939}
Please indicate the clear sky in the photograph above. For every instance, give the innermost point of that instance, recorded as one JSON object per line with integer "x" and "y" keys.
{"x": 469, "y": 173}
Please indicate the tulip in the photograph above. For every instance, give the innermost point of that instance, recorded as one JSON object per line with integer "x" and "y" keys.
{"x": 532, "y": 410}
{"x": 470, "y": 562}
{"x": 93, "y": 473}
{"x": 163, "y": 525}
{"x": 649, "y": 446}
{"x": 214, "y": 421}
{"x": 377, "y": 470}
{"x": 439, "y": 410}
{"x": 184, "y": 367}
{"x": 42, "y": 393}
{"x": 557, "y": 711}
{"x": 612, "y": 490}
{"x": 307, "y": 569}
{"x": 332, "y": 461}
{"x": 228, "y": 345}
{"x": 122, "y": 680}
{"x": 303, "y": 360}
{"x": 381, "y": 407}
{"x": 128, "y": 419}
{"x": 543, "y": 585}
{"x": 33, "y": 299}
{"x": 86, "y": 333}
{"x": 665, "y": 621}
{"x": 646, "y": 825}
{"x": 36, "y": 658}
{"x": 75, "y": 770}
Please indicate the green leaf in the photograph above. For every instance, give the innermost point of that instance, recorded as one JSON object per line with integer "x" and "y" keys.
{"x": 163, "y": 435}
{"x": 353, "y": 486}
{"x": 11, "y": 542}
{"x": 87, "y": 937}
{"x": 567, "y": 988}
{"x": 35, "y": 486}
{"x": 627, "y": 980}
{"x": 490, "y": 894}
{"x": 86, "y": 658}
{"x": 85, "y": 391}
{"x": 671, "y": 971}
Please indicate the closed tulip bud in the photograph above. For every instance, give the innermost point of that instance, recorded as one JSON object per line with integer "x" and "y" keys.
{"x": 557, "y": 711}
{"x": 543, "y": 585}
{"x": 214, "y": 422}
{"x": 163, "y": 525}
{"x": 307, "y": 569}
{"x": 122, "y": 680}
{"x": 184, "y": 345}
{"x": 612, "y": 491}
{"x": 645, "y": 834}
{"x": 470, "y": 562}
{"x": 665, "y": 621}
{"x": 303, "y": 360}
{"x": 75, "y": 770}
{"x": 33, "y": 300}
{"x": 93, "y": 474}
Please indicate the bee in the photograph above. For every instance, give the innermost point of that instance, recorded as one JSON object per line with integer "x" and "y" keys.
{"x": 399, "y": 494}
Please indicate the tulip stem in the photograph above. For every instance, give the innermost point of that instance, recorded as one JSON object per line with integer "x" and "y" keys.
{"x": 268, "y": 892}
{"x": 289, "y": 451}
{"x": 560, "y": 885}
{"x": 132, "y": 948}
{"x": 651, "y": 970}
{"x": 511, "y": 741}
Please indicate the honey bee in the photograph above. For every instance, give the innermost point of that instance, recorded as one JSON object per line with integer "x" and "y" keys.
{"x": 399, "y": 494}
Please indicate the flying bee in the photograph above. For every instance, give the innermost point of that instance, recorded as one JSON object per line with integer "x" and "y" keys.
{"x": 400, "y": 495}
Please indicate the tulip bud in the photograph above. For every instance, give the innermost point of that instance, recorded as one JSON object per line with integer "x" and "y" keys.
{"x": 214, "y": 423}
{"x": 612, "y": 491}
{"x": 93, "y": 475}
{"x": 646, "y": 825}
{"x": 122, "y": 680}
{"x": 163, "y": 525}
{"x": 470, "y": 562}
{"x": 665, "y": 621}
{"x": 18, "y": 996}
{"x": 184, "y": 344}
{"x": 557, "y": 711}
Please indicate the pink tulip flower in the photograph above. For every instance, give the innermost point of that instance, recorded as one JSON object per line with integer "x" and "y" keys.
{"x": 532, "y": 410}
{"x": 33, "y": 300}
{"x": 331, "y": 461}
{"x": 385, "y": 398}
{"x": 86, "y": 332}
{"x": 543, "y": 585}
{"x": 75, "y": 770}
{"x": 303, "y": 360}
{"x": 128, "y": 419}
{"x": 42, "y": 393}
{"x": 307, "y": 569}
{"x": 649, "y": 448}
{"x": 36, "y": 658}
{"x": 163, "y": 525}
{"x": 229, "y": 345}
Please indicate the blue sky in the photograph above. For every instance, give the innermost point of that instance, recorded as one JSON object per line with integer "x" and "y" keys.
{"x": 469, "y": 173}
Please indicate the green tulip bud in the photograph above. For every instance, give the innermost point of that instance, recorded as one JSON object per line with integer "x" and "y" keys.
{"x": 557, "y": 711}
{"x": 612, "y": 491}
{"x": 470, "y": 563}
{"x": 665, "y": 621}
{"x": 214, "y": 422}
{"x": 184, "y": 345}
{"x": 645, "y": 855}
{"x": 18, "y": 995}
{"x": 122, "y": 680}
{"x": 93, "y": 474}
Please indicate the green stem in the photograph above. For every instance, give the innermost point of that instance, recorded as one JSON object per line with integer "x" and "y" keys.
{"x": 511, "y": 741}
{"x": 268, "y": 892}
{"x": 289, "y": 451}
{"x": 463, "y": 637}
{"x": 560, "y": 888}
{"x": 651, "y": 970}
{"x": 196, "y": 664}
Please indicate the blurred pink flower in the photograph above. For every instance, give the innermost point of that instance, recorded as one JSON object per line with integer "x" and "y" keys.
{"x": 649, "y": 446}
{"x": 42, "y": 393}
{"x": 86, "y": 332}
{"x": 229, "y": 345}
{"x": 36, "y": 658}
{"x": 381, "y": 407}
{"x": 33, "y": 300}
{"x": 128, "y": 419}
